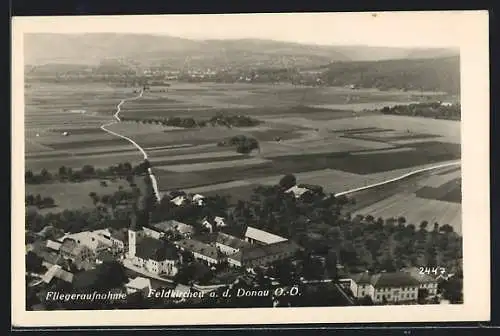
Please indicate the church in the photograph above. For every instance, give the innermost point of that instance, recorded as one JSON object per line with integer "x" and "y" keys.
{"x": 156, "y": 256}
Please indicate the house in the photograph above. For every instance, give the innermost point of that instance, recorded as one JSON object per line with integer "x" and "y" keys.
{"x": 263, "y": 255}
{"x": 201, "y": 251}
{"x": 426, "y": 281}
{"x": 216, "y": 222}
{"x": 220, "y": 221}
{"x": 446, "y": 104}
{"x": 49, "y": 255}
{"x": 198, "y": 199}
{"x": 153, "y": 255}
{"x": 138, "y": 284}
{"x": 228, "y": 244}
{"x": 56, "y": 271}
{"x": 158, "y": 230}
{"x": 71, "y": 249}
{"x": 393, "y": 287}
{"x": 256, "y": 236}
{"x": 179, "y": 200}
{"x": 297, "y": 191}
{"x": 96, "y": 241}
{"x": 53, "y": 245}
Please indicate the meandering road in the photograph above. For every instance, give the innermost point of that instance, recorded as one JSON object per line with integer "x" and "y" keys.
{"x": 443, "y": 165}
{"x": 154, "y": 181}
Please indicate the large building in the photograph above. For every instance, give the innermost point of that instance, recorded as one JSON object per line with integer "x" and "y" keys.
{"x": 201, "y": 251}
{"x": 96, "y": 241}
{"x": 261, "y": 237}
{"x": 228, "y": 244}
{"x": 262, "y": 255}
{"x": 393, "y": 287}
{"x": 158, "y": 230}
{"x": 151, "y": 254}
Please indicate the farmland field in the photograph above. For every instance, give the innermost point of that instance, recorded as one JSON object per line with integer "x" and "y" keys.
{"x": 322, "y": 135}
{"x": 432, "y": 196}
{"x": 73, "y": 195}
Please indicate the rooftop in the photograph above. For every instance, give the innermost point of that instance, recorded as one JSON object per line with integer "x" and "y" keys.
{"x": 121, "y": 234}
{"x": 396, "y": 279}
{"x": 386, "y": 279}
{"x": 231, "y": 241}
{"x": 155, "y": 249}
{"x": 421, "y": 278}
{"x": 256, "y": 252}
{"x": 199, "y": 247}
{"x": 173, "y": 225}
{"x": 139, "y": 283}
{"x": 263, "y": 236}
{"x": 53, "y": 245}
{"x": 297, "y": 191}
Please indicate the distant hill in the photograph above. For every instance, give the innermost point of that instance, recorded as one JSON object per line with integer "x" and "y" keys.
{"x": 171, "y": 51}
{"x": 433, "y": 74}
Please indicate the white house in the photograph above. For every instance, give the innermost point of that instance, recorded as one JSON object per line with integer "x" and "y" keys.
{"x": 394, "y": 287}
{"x": 198, "y": 199}
{"x": 151, "y": 254}
{"x": 217, "y": 222}
{"x": 96, "y": 241}
{"x": 220, "y": 221}
{"x": 426, "y": 281}
{"x": 138, "y": 284}
{"x": 446, "y": 104}
{"x": 297, "y": 191}
{"x": 256, "y": 236}
{"x": 53, "y": 245}
{"x": 179, "y": 200}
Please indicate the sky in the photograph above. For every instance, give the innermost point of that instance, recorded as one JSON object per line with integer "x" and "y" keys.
{"x": 391, "y": 29}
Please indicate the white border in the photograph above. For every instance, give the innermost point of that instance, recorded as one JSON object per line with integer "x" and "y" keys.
{"x": 473, "y": 36}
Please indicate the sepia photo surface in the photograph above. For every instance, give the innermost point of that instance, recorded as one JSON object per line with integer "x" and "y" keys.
{"x": 250, "y": 169}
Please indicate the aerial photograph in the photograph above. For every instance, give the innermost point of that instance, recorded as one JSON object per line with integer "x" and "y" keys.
{"x": 201, "y": 166}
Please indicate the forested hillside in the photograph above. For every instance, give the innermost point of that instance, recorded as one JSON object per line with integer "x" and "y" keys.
{"x": 438, "y": 74}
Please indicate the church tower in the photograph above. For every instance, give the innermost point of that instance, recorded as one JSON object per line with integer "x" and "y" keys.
{"x": 132, "y": 232}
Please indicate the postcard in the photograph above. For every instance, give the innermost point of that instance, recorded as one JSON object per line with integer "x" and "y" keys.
{"x": 250, "y": 169}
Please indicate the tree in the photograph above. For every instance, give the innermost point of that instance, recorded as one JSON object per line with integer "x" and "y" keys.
{"x": 446, "y": 228}
{"x": 423, "y": 293}
{"x": 88, "y": 170}
{"x": 62, "y": 171}
{"x": 34, "y": 263}
{"x": 288, "y": 181}
{"x": 423, "y": 225}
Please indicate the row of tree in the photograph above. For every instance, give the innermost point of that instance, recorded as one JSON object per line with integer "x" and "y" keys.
{"x": 220, "y": 119}
{"x": 87, "y": 172}
{"x": 434, "y": 110}
{"x": 39, "y": 201}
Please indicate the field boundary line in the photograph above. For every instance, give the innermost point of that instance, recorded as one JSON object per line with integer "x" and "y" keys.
{"x": 397, "y": 178}
{"x": 136, "y": 145}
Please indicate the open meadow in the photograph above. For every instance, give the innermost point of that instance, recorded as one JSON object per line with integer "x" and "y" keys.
{"x": 69, "y": 196}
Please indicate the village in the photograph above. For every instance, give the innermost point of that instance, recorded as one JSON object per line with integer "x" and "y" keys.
{"x": 188, "y": 263}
